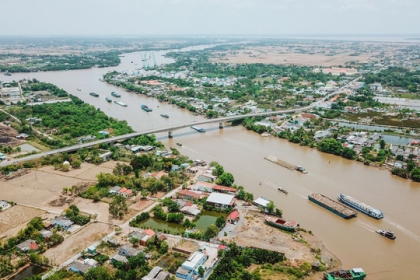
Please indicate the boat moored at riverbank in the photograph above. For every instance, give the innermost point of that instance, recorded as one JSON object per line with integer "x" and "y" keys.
{"x": 93, "y": 94}
{"x": 352, "y": 274}
{"x": 333, "y": 206}
{"x": 120, "y": 103}
{"x": 108, "y": 99}
{"x": 280, "y": 223}
{"x": 115, "y": 94}
{"x": 147, "y": 109}
{"x": 360, "y": 206}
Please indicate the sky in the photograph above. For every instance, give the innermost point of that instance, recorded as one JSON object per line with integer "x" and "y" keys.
{"x": 209, "y": 17}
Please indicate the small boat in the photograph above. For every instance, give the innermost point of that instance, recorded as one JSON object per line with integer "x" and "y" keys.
{"x": 108, "y": 99}
{"x": 78, "y": 89}
{"x": 301, "y": 169}
{"x": 201, "y": 130}
{"x": 386, "y": 233}
{"x": 164, "y": 115}
{"x": 179, "y": 144}
{"x": 282, "y": 190}
{"x": 280, "y": 223}
{"x": 94, "y": 94}
{"x": 115, "y": 94}
{"x": 120, "y": 103}
{"x": 352, "y": 274}
{"x": 147, "y": 109}
{"x": 7, "y": 73}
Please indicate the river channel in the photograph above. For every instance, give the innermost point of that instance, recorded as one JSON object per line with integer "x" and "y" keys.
{"x": 242, "y": 153}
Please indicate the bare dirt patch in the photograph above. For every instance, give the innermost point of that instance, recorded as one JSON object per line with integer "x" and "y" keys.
{"x": 141, "y": 204}
{"x": 8, "y": 136}
{"x": 77, "y": 242}
{"x": 15, "y": 216}
{"x": 35, "y": 188}
{"x": 295, "y": 246}
{"x": 188, "y": 246}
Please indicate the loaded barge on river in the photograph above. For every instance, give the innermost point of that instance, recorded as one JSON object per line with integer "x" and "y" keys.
{"x": 333, "y": 206}
{"x": 280, "y": 223}
{"x": 364, "y": 208}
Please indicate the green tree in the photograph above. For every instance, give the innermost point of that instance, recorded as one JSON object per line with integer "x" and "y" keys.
{"x": 220, "y": 221}
{"x": 201, "y": 271}
{"x": 330, "y": 146}
{"x": 98, "y": 273}
{"x": 348, "y": 153}
{"x": 270, "y": 207}
{"x": 226, "y": 179}
{"x": 382, "y": 143}
{"x": 118, "y": 206}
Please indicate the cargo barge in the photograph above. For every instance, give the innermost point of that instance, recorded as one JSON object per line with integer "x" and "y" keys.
{"x": 280, "y": 223}
{"x": 360, "y": 206}
{"x": 335, "y": 207}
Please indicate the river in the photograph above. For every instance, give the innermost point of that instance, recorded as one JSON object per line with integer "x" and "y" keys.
{"x": 242, "y": 153}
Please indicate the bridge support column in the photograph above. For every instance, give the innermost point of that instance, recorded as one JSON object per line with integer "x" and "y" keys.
{"x": 220, "y": 125}
{"x": 170, "y": 134}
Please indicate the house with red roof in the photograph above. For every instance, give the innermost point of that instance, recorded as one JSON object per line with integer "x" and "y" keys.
{"x": 223, "y": 189}
{"x": 233, "y": 217}
{"x": 187, "y": 194}
{"x": 125, "y": 192}
{"x": 28, "y": 245}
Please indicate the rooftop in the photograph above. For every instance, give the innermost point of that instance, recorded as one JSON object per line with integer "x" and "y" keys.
{"x": 220, "y": 198}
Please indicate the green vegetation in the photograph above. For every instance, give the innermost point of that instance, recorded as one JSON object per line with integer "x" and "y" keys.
{"x": 73, "y": 213}
{"x": 396, "y": 77}
{"x": 233, "y": 262}
{"x": 67, "y": 120}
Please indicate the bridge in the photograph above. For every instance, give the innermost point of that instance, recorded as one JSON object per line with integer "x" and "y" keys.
{"x": 168, "y": 129}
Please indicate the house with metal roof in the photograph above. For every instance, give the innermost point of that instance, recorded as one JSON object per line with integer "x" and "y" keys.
{"x": 62, "y": 222}
{"x": 221, "y": 200}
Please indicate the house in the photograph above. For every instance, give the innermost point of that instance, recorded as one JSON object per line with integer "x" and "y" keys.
{"x": 79, "y": 267}
{"x": 46, "y": 234}
{"x": 203, "y": 186}
{"x": 192, "y": 170}
{"x": 206, "y": 178}
{"x": 142, "y": 236}
{"x": 261, "y": 202}
{"x": 187, "y": 270}
{"x": 187, "y": 194}
{"x": 62, "y": 222}
{"x": 90, "y": 262}
{"x": 221, "y": 200}
{"x": 4, "y": 205}
{"x": 175, "y": 168}
{"x": 128, "y": 251}
{"x": 104, "y": 133}
{"x": 106, "y": 156}
{"x": 118, "y": 258}
{"x": 125, "y": 192}
{"x": 192, "y": 210}
{"x": 22, "y": 136}
{"x": 27, "y": 245}
{"x": 91, "y": 250}
{"x": 233, "y": 217}
{"x": 114, "y": 190}
{"x": 153, "y": 274}
{"x": 2, "y": 156}
{"x": 224, "y": 189}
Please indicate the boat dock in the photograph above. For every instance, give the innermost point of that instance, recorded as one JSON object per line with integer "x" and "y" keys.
{"x": 280, "y": 162}
{"x": 333, "y": 206}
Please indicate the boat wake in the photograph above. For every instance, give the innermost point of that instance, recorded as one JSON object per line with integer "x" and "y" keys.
{"x": 404, "y": 230}
{"x": 366, "y": 226}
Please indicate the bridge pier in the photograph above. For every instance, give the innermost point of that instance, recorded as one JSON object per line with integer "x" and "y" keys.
{"x": 170, "y": 134}
{"x": 220, "y": 125}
